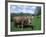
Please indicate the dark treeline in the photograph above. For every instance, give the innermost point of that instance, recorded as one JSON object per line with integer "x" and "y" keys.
{"x": 20, "y": 14}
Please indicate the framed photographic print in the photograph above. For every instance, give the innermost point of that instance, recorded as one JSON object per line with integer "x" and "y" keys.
{"x": 25, "y": 18}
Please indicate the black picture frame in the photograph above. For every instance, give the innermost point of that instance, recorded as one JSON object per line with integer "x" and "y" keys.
{"x": 6, "y": 17}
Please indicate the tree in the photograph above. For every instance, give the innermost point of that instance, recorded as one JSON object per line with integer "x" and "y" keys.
{"x": 38, "y": 11}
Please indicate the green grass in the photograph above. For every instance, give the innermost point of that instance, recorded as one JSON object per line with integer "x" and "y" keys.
{"x": 13, "y": 28}
{"x": 36, "y": 22}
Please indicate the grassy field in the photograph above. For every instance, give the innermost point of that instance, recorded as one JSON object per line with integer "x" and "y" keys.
{"x": 36, "y": 22}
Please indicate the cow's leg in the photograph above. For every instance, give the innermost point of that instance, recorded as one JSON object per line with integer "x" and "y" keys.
{"x": 14, "y": 24}
{"x": 31, "y": 27}
{"x": 22, "y": 26}
{"x": 18, "y": 27}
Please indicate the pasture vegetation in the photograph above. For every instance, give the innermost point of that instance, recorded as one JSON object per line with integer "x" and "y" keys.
{"x": 36, "y": 23}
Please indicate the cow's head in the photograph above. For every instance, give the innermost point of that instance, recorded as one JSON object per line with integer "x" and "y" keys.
{"x": 30, "y": 19}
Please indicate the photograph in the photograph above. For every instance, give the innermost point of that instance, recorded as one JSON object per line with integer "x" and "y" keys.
{"x": 25, "y": 18}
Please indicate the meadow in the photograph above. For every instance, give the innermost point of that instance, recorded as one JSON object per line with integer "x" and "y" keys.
{"x": 36, "y": 23}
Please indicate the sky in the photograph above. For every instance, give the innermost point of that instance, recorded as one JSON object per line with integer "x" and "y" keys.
{"x": 22, "y": 8}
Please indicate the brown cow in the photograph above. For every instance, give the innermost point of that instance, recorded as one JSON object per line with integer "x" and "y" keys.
{"x": 22, "y": 20}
